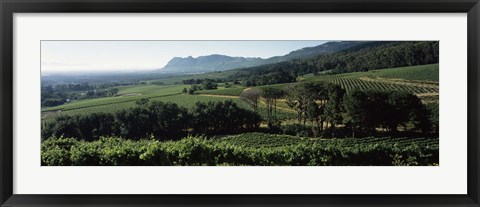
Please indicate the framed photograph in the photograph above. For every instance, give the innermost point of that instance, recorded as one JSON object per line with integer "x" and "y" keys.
{"x": 239, "y": 103}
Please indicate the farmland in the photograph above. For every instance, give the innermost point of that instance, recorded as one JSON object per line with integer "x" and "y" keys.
{"x": 414, "y": 79}
{"x": 386, "y": 79}
{"x": 113, "y": 105}
{"x": 247, "y": 149}
{"x": 374, "y": 104}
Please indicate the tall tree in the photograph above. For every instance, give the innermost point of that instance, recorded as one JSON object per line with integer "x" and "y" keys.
{"x": 270, "y": 96}
{"x": 355, "y": 107}
{"x": 251, "y": 96}
{"x": 333, "y": 107}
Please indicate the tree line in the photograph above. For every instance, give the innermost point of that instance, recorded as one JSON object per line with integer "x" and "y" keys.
{"x": 164, "y": 121}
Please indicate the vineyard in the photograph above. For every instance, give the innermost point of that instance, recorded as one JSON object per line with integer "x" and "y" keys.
{"x": 255, "y": 140}
{"x": 349, "y": 83}
{"x": 415, "y": 79}
{"x": 238, "y": 150}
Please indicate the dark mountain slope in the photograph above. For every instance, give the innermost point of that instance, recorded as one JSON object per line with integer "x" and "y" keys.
{"x": 217, "y": 62}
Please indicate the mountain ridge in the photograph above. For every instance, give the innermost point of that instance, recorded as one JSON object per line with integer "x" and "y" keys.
{"x": 218, "y": 62}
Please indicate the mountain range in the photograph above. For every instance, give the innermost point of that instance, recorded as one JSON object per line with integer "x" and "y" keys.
{"x": 217, "y": 62}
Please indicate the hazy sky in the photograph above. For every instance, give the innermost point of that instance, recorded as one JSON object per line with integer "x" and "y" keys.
{"x": 63, "y": 56}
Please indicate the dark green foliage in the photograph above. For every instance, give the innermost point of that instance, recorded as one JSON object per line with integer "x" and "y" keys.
{"x": 389, "y": 55}
{"x": 86, "y": 127}
{"x": 367, "y": 110}
{"x": 333, "y": 107}
{"x": 433, "y": 116}
{"x": 239, "y": 150}
{"x": 356, "y": 113}
{"x": 318, "y": 102}
{"x": 364, "y": 57}
{"x": 158, "y": 119}
{"x": 53, "y": 102}
{"x": 270, "y": 96}
{"x": 163, "y": 121}
{"x": 223, "y": 117}
{"x": 208, "y": 84}
{"x": 297, "y": 130}
{"x": 267, "y": 74}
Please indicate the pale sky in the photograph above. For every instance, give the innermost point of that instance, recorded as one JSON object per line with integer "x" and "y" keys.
{"x": 63, "y": 56}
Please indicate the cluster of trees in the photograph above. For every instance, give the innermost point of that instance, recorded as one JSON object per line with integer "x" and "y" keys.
{"x": 270, "y": 96}
{"x": 283, "y": 72}
{"x": 364, "y": 111}
{"x": 205, "y": 84}
{"x": 318, "y": 102}
{"x": 328, "y": 105}
{"x": 200, "y": 81}
{"x": 54, "y": 95}
{"x": 161, "y": 120}
{"x": 364, "y": 57}
{"x": 62, "y": 93}
{"x": 98, "y": 93}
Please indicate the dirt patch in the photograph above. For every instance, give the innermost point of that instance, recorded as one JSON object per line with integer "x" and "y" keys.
{"x": 428, "y": 97}
{"x": 46, "y": 114}
{"x": 220, "y": 96}
{"x": 427, "y": 94}
{"x": 131, "y": 94}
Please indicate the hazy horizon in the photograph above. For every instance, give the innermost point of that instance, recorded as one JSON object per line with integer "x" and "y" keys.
{"x": 110, "y": 56}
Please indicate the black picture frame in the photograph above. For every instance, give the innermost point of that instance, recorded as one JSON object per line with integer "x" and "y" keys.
{"x": 9, "y": 7}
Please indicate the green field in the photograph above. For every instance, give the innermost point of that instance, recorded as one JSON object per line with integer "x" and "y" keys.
{"x": 224, "y": 92}
{"x": 126, "y": 94}
{"x": 238, "y": 90}
{"x": 420, "y": 73}
{"x": 150, "y": 89}
{"x": 187, "y": 101}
